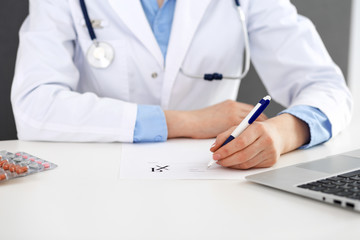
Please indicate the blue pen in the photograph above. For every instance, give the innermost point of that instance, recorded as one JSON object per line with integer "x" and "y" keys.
{"x": 249, "y": 119}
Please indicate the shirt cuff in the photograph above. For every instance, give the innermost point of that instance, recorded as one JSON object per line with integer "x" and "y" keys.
{"x": 318, "y": 122}
{"x": 150, "y": 124}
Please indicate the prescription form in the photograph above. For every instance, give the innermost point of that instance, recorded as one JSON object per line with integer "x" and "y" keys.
{"x": 174, "y": 159}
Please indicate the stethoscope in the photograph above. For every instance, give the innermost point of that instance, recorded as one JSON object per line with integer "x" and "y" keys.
{"x": 219, "y": 76}
{"x": 101, "y": 54}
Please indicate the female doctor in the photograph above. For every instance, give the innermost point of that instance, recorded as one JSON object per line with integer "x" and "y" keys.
{"x": 131, "y": 71}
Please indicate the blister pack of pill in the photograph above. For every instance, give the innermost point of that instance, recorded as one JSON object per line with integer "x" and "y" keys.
{"x": 21, "y": 164}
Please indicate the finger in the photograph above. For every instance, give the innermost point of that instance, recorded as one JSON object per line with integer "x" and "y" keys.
{"x": 242, "y": 156}
{"x": 266, "y": 163}
{"x": 246, "y": 108}
{"x": 251, "y": 163}
{"x": 262, "y": 117}
{"x": 220, "y": 139}
{"x": 266, "y": 158}
{"x": 239, "y": 143}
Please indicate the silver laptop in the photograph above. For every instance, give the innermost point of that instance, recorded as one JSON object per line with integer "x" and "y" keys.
{"x": 334, "y": 179}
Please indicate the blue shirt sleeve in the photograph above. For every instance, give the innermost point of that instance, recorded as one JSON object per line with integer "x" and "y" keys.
{"x": 150, "y": 125}
{"x": 319, "y": 124}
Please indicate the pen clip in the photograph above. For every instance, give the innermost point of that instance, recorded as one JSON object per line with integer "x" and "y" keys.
{"x": 264, "y": 104}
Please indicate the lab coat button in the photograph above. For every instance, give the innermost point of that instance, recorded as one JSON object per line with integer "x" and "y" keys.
{"x": 154, "y": 75}
{"x": 158, "y": 138}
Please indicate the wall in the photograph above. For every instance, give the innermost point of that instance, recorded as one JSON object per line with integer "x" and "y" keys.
{"x": 332, "y": 20}
{"x": 12, "y": 14}
{"x": 354, "y": 66}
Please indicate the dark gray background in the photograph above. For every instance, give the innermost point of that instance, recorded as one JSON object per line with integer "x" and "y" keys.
{"x": 331, "y": 17}
{"x": 12, "y": 14}
{"x": 332, "y": 20}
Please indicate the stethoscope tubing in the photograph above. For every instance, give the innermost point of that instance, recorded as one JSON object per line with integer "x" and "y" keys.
{"x": 87, "y": 20}
{"x": 100, "y": 54}
{"x": 219, "y": 76}
{"x": 206, "y": 76}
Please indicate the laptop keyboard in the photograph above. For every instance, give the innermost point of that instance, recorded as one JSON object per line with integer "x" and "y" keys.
{"x": 344, "y": 185}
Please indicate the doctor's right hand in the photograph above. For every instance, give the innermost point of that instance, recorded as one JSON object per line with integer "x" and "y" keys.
{"x": 207, "y": 122}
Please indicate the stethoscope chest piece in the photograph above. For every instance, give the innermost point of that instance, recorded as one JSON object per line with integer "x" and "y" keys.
{"x": 100, "y": 55}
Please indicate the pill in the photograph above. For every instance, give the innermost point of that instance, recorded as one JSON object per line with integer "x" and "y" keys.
{"x": 34, "y": 165}
{"x": 17, "y": 167}
{"x": 46, "y": 165}
{"x": 3, "y": 162}
{"x": 39, "y": 162}
{"x": 25, "y": 157}
{"x": 18, "y": 154}
{"x": 2, "y": 177}
{"x": 6, "y": 166}
{"x": 17, "y": 159}
{"x": 21, "y": 170}
{"x": 32, "y": 159}
{"x": 12, "y": 167}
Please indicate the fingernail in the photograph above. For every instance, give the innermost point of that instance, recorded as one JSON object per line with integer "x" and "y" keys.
{"x": 213, "y": 145}
{"x": 216, "y": 157}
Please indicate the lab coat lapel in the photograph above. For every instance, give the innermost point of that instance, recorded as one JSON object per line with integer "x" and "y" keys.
{"x": 132, "y": 14}
{"x": 188, "y": 14}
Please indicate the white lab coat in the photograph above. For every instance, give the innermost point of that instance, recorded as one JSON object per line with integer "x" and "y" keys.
{"x": 58, "y": 96}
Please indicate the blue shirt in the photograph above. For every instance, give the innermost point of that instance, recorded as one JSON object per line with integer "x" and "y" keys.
{"x": 160, "y": 20}
{"x": 150, "y": 123}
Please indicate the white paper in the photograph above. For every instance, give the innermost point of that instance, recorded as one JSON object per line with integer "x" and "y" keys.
{"x": 174, "y": 159}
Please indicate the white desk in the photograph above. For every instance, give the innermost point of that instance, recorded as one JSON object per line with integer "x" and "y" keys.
{"x": 84, "y": 199}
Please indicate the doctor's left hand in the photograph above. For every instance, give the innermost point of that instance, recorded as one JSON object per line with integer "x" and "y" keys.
{"x": 262, "y": 143}
{"x": 207, "y": 122}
